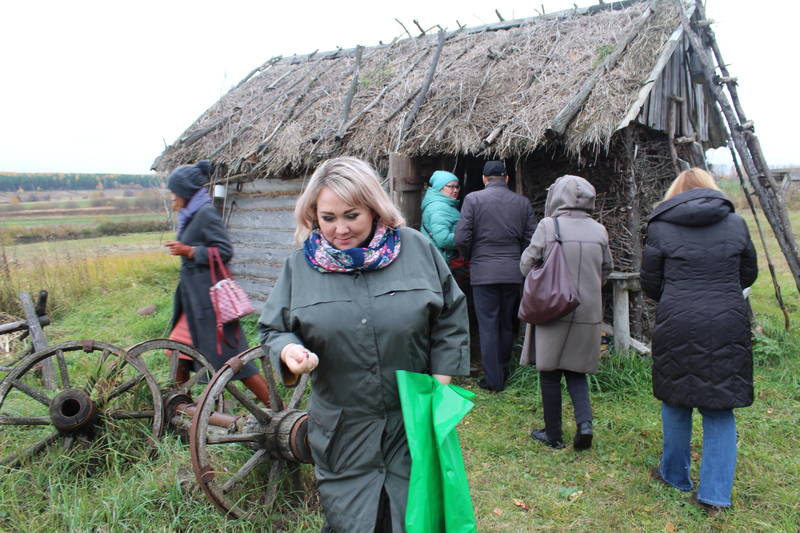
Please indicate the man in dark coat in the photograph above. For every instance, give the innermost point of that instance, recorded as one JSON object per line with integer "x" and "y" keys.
{"x": 495, "y": 226}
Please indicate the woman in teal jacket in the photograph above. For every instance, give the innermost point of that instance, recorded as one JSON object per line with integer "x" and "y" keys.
{"x": 439, "y": 213}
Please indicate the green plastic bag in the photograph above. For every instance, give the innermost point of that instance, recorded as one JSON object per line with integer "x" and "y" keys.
{"x": 438, "y": 493}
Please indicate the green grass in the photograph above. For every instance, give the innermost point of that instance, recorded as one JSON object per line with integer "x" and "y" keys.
{"x": 79, "y": 220}
{"x": 517, "y": 485}
{"x": 129, "y": 243}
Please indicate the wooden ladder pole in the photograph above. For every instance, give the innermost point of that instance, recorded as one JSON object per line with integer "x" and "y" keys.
{"x": 771, "y": 203}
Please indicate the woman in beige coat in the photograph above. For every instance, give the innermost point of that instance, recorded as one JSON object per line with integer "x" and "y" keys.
{"x": 569, "y": 346}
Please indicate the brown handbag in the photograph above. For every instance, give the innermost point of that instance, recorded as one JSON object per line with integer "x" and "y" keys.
{"x": 549, "y": 292}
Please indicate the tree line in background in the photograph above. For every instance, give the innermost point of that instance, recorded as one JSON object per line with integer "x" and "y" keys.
{"x": 21, "y": 182}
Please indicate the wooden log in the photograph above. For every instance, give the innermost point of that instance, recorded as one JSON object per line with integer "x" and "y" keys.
{"x": 568, "y": 112}
{"x": 772, "y": 204}
{"x": 383, "y": 92}
{"x": 13, "y": 327}
{"x": 38, "y": 339}
{"x": 423, "y": 91}
{"x": 352, "y": 91}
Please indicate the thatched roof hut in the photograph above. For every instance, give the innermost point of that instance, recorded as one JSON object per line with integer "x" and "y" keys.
{"x": 609, "y": 92}
{"x": 515, "y": 77}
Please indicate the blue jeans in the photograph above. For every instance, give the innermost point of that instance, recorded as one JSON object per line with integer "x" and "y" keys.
{"x": 718, "y": 463}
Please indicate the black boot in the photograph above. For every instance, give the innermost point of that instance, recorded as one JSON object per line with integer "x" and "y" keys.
{"x": 583, "y": 436}
{"x": 541, "y": 436}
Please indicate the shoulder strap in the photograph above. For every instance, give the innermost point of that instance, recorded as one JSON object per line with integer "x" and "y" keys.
{"x": 218, "y": 269}
{"x": 557, "y": 230}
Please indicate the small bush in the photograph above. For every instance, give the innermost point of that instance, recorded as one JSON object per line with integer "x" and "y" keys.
{"x": 121, "y": 203}
{"x": 131, "y": 226}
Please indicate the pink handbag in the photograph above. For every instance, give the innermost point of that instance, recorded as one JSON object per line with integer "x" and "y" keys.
{"x": 228, "y": 298}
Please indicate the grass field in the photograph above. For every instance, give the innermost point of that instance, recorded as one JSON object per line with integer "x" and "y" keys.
{"x": 516, "y": 484}
{"x": 79, "y": 220}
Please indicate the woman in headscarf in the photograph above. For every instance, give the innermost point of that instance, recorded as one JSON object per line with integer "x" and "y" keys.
{"x": 439, "y": 212}
{"x": 698, "y": 258}
{"x": 193, "y": 321}
{"x": 570, "y": 345}
{"x": 363, "y": 298}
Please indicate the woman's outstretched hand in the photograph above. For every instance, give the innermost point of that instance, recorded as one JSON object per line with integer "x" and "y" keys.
{"x": 298, "y": 359}
{"x": 178, "y": 248}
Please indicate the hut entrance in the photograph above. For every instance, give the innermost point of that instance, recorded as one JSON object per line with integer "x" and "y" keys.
{"x": 470, "y": 170}
{"x": 409, "y": 178}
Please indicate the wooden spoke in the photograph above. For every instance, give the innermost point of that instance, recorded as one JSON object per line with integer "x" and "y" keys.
{"x": 249, "y": 404}
{"x": 122, "y": 389}
{"x": 192, "y": 381}
{"x": 275, "y": 470}
{"x": 297, "y": 395}
{"x": 30, "y": 391}
{"x": 236, "y": 437}
{"x": 69, "y": 440}
{"x": 24, "y": 420}
{"x": 259, "y": 457}
{"x": 62, "y": 369}
{"x": 15, "y": 458}
{"x": 122, "y": 414}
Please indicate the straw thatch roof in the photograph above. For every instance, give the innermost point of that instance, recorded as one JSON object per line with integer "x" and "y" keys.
{"x": 495, "y": 91}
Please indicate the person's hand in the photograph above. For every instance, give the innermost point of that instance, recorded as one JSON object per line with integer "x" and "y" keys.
{"x": 298, "y": 359}
{"x": 178, "y": 248}
{"x": 444, "y": 380}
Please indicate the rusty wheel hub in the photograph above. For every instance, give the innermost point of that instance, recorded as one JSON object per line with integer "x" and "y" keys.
{"x": 72, "y": 411}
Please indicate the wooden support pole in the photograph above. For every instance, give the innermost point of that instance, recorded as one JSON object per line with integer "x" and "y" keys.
{"x": 623, "y": 282}
{"x": 406, "y": 187}
{"x": 775, "y": 285}
{"x": 568, "y": 112}
{"x": 38, "y": 339}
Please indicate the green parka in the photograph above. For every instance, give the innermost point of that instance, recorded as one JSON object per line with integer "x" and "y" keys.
{"x": 364, "y": 326}
{"x": 439, "y": 218}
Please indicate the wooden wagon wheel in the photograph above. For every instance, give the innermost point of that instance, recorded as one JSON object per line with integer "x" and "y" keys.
{"x": 241, "y": 466}
{"x": 160, "y": 356}
{"x": 100, "y": 389}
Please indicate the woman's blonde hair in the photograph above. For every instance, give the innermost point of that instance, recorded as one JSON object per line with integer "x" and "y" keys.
{"x": 355, "y": 182}
{"x": 694, "y": 178}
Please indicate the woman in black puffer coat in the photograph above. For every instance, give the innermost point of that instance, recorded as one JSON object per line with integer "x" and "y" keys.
{"x": 697, "y": 260}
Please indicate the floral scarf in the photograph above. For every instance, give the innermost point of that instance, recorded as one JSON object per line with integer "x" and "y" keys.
{"x": 379, "y": 253}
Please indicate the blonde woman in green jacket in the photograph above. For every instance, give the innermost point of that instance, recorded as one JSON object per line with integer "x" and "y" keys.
{"x": 364, "y": 297}
{"x": 439, "y": 213}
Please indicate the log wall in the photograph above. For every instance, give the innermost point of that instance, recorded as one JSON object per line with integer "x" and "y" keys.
{"x": 260, "y": 220}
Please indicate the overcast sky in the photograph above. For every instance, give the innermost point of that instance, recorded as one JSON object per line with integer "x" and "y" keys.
{"x": 99, "y": 86}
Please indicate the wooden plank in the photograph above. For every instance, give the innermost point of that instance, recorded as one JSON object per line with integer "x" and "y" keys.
{"x": 647, "y": 86}
{"x": 256, "y": 270}
{"x": 38, "y": 339}
{"x": 257, "y": 289}
{"x": 261, "y": 186}
{"x": 275, "y": 219}
{"x": 262, "y": 236}
{"x": 264, "y": 254}
{"x": 251, "y": 203}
